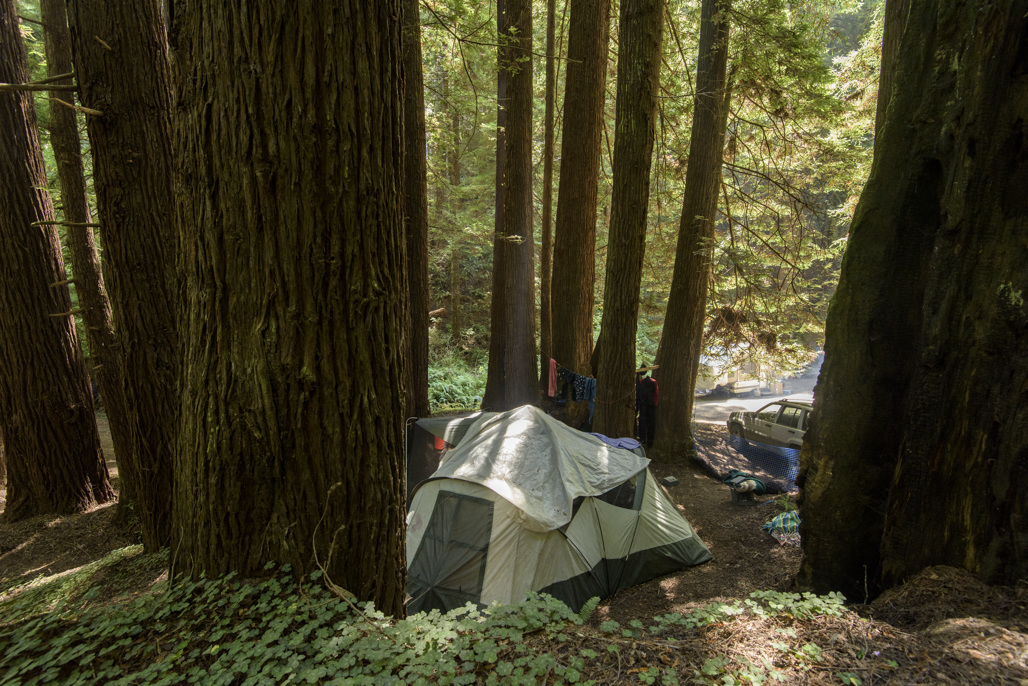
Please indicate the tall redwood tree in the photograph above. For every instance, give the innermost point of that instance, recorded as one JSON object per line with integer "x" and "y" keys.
{"x": 681, "y": 341}
{"x": 574, "y": 239}
{"x": 546, "y": 220}
{"x": 121, "y": 65}
{"x": 415, "y": 211}
{"x": 289, "y": 158}
{"x": 107, "y": 366}
{"x": 916, "y": 453}
{"x": 638, "y": 82}
{"x": 512, "y": 379}
{"x": 51, "y": 448}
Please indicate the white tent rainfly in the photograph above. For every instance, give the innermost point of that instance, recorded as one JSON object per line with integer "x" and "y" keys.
{"x": 521, "y": 502}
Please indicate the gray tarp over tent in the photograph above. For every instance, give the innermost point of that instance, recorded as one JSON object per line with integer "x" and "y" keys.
{"x": 525, "y": 503}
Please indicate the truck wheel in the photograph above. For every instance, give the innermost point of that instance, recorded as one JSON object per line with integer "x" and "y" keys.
{"x": 736, "y": 430}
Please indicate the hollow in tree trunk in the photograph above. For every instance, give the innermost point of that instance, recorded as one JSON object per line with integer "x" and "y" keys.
{"x": 917, "y": 446}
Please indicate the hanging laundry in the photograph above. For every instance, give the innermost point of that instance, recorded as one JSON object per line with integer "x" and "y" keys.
{"x": 590, "y": 396}
{"x": 567, "y": 380}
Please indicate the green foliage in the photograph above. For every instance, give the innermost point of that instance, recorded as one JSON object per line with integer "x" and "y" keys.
{"x": 454, "y": 383}
{"x": 278, "y": 629}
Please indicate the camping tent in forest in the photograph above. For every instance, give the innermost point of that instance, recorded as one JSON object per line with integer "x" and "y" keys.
{"x": 525, "y": 503}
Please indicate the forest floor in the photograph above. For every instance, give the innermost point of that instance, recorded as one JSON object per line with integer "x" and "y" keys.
{"x": 943, "y": 626}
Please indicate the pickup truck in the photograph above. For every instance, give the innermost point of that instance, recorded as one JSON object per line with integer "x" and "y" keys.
{"x": 781, "y": 423}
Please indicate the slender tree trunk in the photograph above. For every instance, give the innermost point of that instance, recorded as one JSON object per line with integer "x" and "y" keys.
{"x": 521, "y": 370}
{"x": 456, "y": 313}
{"x": 895, "y": 20}
{"x": 51, "y": 448}
{"x": 681, "y": 341}
{"x": 121, "y": 64}
{"x": 546, "y": 247}
{"x": 456, "y": 283}
{"x": 512, "y": 363}
{"x": 85, "y": 259}
{"x": 415, "y": 210}
{"x": 289, "y": 163}
{"x": 574, "y": 245}
{"x": 638, "y": 84}
{"x": 493, "y": 399}
{"x": 916, "y": 450}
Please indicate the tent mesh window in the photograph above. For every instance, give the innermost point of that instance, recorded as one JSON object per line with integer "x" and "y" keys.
{"x": 627, "y": 495}
{"x": 450, "y": 562}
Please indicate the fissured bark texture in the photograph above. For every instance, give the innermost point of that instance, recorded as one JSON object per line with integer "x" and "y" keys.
{"x": 289, "y": 163}
{"x": 918, "y": 448}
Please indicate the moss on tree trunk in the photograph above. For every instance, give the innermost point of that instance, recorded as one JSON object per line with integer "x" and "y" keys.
{"x": 289, "y": 214}
{"x": 917, "y": 449}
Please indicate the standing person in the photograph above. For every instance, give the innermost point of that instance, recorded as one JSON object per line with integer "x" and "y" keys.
{"x": 647, "y": 396}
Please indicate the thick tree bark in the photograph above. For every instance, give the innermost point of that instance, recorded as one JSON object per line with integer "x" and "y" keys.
{"x": 638, "y": 84}
{"x": 51, "y": 448}
{"x": 415, "y": 201}
{"x": 515, "y": 361}
{"x": 85, "y": 259}
{"x": 916, "y": 451}
{"x": 681, "y": 341}
{"x": 895, "y": 20}
{"x": 574, "y": 243}
{"x": 289, "y": 160}
{"x": 121, "y": 64}
{"x": 546, "y": 224}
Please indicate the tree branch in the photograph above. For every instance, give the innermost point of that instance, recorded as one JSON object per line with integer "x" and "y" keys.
{"x": 77, "y": 225}
{"x": 55, "y": 77}
{"x": 78, "y": 108}
{"x": 16, "y": 87}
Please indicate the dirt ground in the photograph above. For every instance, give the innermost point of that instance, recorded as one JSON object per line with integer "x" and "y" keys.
{"x": 941, "y": 627}
{"x": 746, "y": 558}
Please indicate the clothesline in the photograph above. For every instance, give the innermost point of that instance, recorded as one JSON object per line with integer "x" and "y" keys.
{"x": 589, "y": 386}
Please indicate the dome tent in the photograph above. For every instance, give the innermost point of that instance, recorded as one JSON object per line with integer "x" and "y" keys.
{"x": 525, "y": 503}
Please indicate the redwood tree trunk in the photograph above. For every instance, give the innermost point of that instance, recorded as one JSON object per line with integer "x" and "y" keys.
{"x": 574, "y": 243}
{"x": 638, "y": 83}
{"x": 121, "y": 64}
{"x": 546, "y": 224}
{"x": 512, "y": 364}
{"x": 681, "y": 341}
{"x": 51, "y": 447}
{"x": 415, "y": 203}
{"x": 288, "y": 151}
{"x": 495, "y": 382}
{"x": 916, "y": 451}
{"x": 85, "y": 260}
{"x": 518, "y": 246}
{"x": 895, "y": 20}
